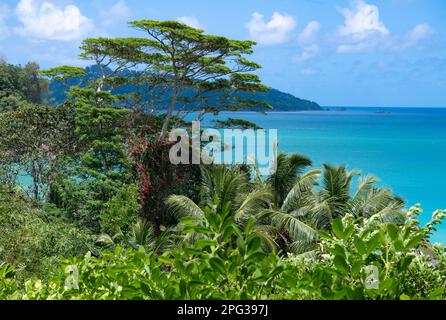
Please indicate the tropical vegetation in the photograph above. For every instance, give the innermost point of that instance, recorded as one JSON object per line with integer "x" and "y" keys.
{"x": 92, "y": 208}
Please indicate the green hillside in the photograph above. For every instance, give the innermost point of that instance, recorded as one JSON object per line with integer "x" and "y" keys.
{"x": 280, "y": 101}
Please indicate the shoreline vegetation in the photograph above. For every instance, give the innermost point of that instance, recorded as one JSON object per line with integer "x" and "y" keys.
{"x": 107, "y": 216}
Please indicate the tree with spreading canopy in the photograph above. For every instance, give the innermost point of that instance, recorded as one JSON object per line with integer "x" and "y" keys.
{"x": 173, "y": 67}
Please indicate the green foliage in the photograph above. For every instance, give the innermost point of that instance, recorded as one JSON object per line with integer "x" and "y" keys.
{"x": 369, "y": 259}
{"x": 31, "y": 242}
{"x": 63, "y": 73}
{"x": 301, "y": 233}
{"x": 235, "y": 124}
{"x": 223, "y": 262}
{"x": 33, "y": 140}
{"x": 7, "y": 281}
{"x": 19, "y": 85}
{"x": 218, "y": 259}
{"x": 141, "y": 97}
{"x": 100, "y": 171}
{"x": 175, "y": 67}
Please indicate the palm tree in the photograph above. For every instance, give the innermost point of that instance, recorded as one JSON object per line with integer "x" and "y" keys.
{"x": 290, "y": 206}
{"x": 141, "y": 235}
{"x": 221, "y": 186}
{"x": 272, "y": 203}
{"x": 292, "y": 192}
{"x": 336, "y": 198}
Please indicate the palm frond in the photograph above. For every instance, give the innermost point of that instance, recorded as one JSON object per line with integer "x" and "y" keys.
{"x": 296, "y": 229}
{"x": 300, "y": 189}
{"x": 180, "y": 206}
{"x": 253, "y": 203}
{"x": 302, "y": 246}
{"x": 268, "y": 234}
{"x": 365, "y": 185}
{"x": 223, "y": 183}
{"x": 288, "y": 167}
{"x": 141, "y": 232}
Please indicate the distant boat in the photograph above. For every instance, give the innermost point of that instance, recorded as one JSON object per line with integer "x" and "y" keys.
{"x": 383, "y": 112}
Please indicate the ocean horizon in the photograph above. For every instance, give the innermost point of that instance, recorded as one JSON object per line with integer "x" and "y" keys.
{"x": 404, "y": 147}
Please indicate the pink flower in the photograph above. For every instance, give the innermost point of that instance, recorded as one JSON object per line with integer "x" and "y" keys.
{"x": 145, "y": 190}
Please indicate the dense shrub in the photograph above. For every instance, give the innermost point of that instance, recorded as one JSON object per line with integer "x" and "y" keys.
{"x": 369, "y": 259}
{"x": 122, "y": 211}
{"x": 33, "y": 243}
{"x": 364, "y": 259}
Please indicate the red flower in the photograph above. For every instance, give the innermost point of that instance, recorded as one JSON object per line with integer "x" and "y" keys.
{"x": 141, "y": 168}
{"x": 145, "y": 190}
{"x": 136, "y": 150}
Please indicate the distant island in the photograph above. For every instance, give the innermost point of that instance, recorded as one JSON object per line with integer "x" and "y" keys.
{"x": 280, "y": 101}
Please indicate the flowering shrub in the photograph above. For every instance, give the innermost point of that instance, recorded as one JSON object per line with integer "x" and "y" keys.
{"x": 157, "y": 178}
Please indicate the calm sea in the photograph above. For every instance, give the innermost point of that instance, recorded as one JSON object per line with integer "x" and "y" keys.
{"x": 404, "y": 147}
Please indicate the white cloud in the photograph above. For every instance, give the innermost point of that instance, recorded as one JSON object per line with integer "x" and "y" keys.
{"x": 116, "y": 13}
{"x": 362, "y": 28}
{"x": 309, "y": 33}
{"x": 42, "y": 20}
{"x": 307, "y": 41}
{"x": 308, "y": 52}
{"x": 362, "y": 21}
{"x": 191, "y": 22}
{"x": 272, "y": 32}
{"x": 417, "y": 34}
{"x": 4, "y": 13}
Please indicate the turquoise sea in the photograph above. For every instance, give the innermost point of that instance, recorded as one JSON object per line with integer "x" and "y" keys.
{"x": 404, "y": 147}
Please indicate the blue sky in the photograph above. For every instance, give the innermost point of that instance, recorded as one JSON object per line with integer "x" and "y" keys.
{"x": 335, "y": 52}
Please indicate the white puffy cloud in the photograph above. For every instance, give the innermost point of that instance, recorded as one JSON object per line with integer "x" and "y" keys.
{"x": 272, "y": 32}
{"x": 361, "y": 21}
{"x": 116, "y": 13}
{"x": 4, "y": 13}
{"x": 362, "y": 28}
{"x": 191, "y": 22}
{"x": 309, "y": 33}
{"x": 43, "y": 20}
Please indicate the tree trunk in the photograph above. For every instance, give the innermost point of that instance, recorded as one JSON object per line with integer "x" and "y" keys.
{"x": 166, "y": 122}
{"x": 156, "y": 230}
{"x": 35, "y": 181}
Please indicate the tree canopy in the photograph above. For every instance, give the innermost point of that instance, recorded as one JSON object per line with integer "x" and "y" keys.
{"x": 174, "y": 66}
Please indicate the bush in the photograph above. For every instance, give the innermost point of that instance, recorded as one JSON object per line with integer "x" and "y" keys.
{"x": 365, "y": 259}
{"x": 122, "y": 211}
{"x": 32, "y": 243}
{"x": 369, "y": 259}
{"x": 222, "y": 263}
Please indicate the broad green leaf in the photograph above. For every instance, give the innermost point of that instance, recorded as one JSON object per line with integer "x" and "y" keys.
{"x": 341, "y": 265}
{"x": 218, "y": 265}
{"x": 392, "y": 230}
{"x": 338, "y": 228}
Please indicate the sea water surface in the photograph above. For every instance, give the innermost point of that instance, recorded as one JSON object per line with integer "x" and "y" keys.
{"x": 404, "y": 147}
